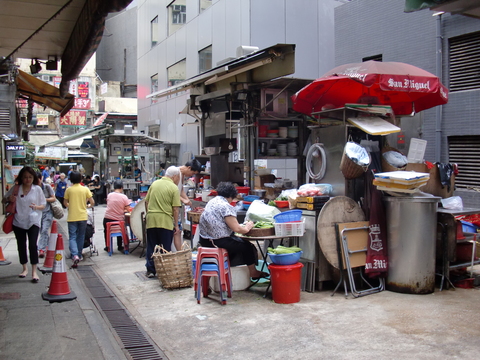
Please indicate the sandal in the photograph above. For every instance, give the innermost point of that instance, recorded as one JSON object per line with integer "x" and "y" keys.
{"x": 263, "y": 275}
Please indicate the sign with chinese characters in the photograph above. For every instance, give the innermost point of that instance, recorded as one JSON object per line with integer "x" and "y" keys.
{"x": 42, "y": 119}
{"x": 81, "y": 103}
{"x": 51, "y": 153}
{"x": 74, "y": 118}
{"x": 103, "y": 88}
{"x": 83, "y": 89}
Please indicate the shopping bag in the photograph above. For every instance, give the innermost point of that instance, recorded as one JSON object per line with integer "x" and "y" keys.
{"x": 7, "y": 226}
{"x": 57, "y": 209}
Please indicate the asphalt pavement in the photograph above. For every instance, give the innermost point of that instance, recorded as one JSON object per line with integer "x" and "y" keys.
{"x": 386, "y": 325}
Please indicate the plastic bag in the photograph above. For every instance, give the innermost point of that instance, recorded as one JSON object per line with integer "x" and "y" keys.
{"x": 314, "y": 190}
{"x": 395, "y": 159}
{"x": 357, "y": 154}
{"x": 453, "y": 203}
{"x": 34, "y": 218}
{"x": 259, "y": 211}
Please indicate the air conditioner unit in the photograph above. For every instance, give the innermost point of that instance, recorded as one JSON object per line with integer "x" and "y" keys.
{"x": 45, "y": 77}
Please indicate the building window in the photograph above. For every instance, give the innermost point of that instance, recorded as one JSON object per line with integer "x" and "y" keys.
{"x": 205, "y": 4}
{"x": 177, "y": 15}
{"x": 177, "y": 73}
{"x": 464, "y": 62}
{"x": 378, "y": 57}
{"x": 154, "y": 31}
{"x": 205, "y": 59}
{"x": 154, "y": 86}
{"x": 465, "y": 151}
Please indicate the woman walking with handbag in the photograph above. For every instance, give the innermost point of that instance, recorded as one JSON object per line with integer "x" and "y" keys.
{"x": 47, "y": 216}
{"x": 30, "y": 202}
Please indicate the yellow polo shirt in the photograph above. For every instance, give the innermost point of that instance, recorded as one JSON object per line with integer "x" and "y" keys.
{"x": 162, "y": 196}
{"x": 77, "y": 196}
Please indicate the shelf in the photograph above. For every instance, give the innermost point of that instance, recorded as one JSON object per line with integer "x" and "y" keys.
{"x": 277, "y": 138}
{"x": 464, "y": 265}
{"x": 277, "y": 157}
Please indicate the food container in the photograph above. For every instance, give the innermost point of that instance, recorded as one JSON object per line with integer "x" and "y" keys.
{"x": 281, "y": 203}
{"x": 260, "y": 193}
{"x": 296, "y": 228}
{"x": 243, "y": 189}
{"x": 285, "y": 259}
{"x": 261, "y": 232}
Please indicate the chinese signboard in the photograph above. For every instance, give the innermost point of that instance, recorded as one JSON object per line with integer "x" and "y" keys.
{"x": 42, "y": 119}
{"x": 83, "y": 89}
{"x": 81, "y": 103}
{"x": 74, "y": 118}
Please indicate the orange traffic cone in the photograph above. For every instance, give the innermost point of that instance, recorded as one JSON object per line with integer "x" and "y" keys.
{"x": 52, "y": 245}
{"x": 3, "y": 261}
{"x": 59, "y": 289}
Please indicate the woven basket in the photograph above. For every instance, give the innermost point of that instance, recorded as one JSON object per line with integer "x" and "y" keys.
{"x": 261, "y": 232}
{"x": 174, "y": 270}
{"x": 350, "y": 169}
{"x": 386, "y": 167}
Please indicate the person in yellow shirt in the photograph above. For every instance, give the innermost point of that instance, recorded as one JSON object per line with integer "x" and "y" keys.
{"x": 162, "y": 204}
{"x": 76, "y": 199}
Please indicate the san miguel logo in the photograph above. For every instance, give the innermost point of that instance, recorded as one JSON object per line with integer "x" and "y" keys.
{"x": 375, "y": 241}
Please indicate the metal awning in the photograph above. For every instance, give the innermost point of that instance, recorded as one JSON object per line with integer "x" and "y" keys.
{"x": 256, "y": 62}
{"x": 462, "y": 7}
{"x": 44, "y": 94}
{"x": 42, "y": 139}
{"x": 134, "y": 139}
{"x": 81, "y": 134}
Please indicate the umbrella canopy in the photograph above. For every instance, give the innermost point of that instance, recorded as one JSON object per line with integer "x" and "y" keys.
{"x": 406, "y": 88}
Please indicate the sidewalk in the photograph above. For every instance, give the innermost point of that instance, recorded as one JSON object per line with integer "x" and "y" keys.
{"x": 385, "y": 326}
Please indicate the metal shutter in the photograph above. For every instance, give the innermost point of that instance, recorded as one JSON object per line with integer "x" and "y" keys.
{"x": 465, "y": 62}
{"x": 465, "y": 151}
{"x": 5, "y": 118}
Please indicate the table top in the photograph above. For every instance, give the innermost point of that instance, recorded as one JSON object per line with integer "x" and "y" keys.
{"x": 270, "y": 237}
{"x": 464, "y": 211}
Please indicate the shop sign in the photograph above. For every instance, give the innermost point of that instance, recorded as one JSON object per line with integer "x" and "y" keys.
{"x": 51, "y": 153}
{"x": 75, "y": 118}
{"x": 81, "y": 103}
{"x": 17, "y": 151}
{"x": 42, "y": 119}
{"x": 83, "y": 89}
{"x": 56, "y": 81}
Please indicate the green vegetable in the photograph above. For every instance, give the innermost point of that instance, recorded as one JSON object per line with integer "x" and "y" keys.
{"x": 282, "y": 198}
{"x": 271, "y": 203}
{"x": 283, "y": 250}
{"x": 263, "y": 225}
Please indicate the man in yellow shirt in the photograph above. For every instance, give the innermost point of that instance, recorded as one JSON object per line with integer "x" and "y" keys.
{"x": 75, "y": 199}
{"x": 162, "y": 204}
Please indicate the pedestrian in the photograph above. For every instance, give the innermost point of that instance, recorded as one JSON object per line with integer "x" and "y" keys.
{"x": 117, "y": 204}
{"x": 70, "y": 170}
{"x": 60, "y": 187}
{"x": 99, "y": 187}
{"x": 47, "y": 217}
{"x": 186, "y": 171}
{"x": 137, "y": 174}
{"x": 45, "y": 174}
{"x": 161, "y": 172}
{"x": 56, "y": 176}
{"x": 162, "y": 204}
{"x": 76, "y": 199}
{"x": 30, "y": 202}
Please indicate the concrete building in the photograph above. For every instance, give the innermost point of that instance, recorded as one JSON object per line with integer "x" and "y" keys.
{"x": 381, "y": 30}
{"x": 181, "y": 39}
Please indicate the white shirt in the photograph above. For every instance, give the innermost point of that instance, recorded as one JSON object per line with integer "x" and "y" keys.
{"x": 25, "y": 216}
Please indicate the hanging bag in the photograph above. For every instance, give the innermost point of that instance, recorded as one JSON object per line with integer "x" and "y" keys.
{"x": 10, "y": 211}
{"x": 57, "y": 209}
{"x": 355, "y": 161}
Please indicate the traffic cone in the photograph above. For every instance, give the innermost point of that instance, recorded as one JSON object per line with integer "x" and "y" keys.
{"x": 3, "y": 261}
{"x": 52, "y": 245}
{"x": 59, "y": 289}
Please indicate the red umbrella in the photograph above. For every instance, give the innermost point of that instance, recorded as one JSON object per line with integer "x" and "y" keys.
{"x": 406, "y": 88}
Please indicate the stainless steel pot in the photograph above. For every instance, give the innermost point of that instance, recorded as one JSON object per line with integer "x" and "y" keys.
{"x": 260, "y": 193}
{"x": 191, "y": 193}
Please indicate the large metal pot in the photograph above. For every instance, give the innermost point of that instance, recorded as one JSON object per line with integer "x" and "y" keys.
{"x": 260, "y": 193}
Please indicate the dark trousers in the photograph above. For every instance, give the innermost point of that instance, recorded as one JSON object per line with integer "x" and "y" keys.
{"x": 240, "y": 252}
{"x": 119, "y": 238}
{"x": 21, "y": 235}
{"x": 157, "y": 236}
{"x": 61, "y": 201}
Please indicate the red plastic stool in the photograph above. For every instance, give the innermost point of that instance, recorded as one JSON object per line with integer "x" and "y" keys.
{"x": 122, "y": 232}
{"x": 218, "y": 255}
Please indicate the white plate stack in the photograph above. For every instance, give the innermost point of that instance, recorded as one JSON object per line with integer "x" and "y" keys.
{"x": 283, "y": 132}
{"x": 292, "y": 132}
{"x": 271, "y": 152}
{"x": 292, "y": 149}
{"x": 282, "y": 149}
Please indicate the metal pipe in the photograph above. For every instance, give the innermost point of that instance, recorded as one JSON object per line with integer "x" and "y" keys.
{"x": 438, "y": 109}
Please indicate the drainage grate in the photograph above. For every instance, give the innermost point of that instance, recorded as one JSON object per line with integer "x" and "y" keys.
{"x": 136, "y": 343}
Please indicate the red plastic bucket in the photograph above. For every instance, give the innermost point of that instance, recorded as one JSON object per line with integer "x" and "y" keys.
{"x": 286, "y": 282}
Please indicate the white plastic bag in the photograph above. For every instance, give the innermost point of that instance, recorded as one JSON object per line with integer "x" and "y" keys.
{"x": 259, "y": 211}
{"x": 453, "y": 203}
{"x": 357, "y": 154}
{"x": 314, "y": 190}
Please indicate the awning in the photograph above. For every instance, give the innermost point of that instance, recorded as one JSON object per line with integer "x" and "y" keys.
{"x": 135, "y": 139}
{"x": 462, "y": 7}
{"x": 79, "y": 155}
{"x": 41, "y": 140}
{"x": 81, "y": 134}
{"x": 44, "y": 94}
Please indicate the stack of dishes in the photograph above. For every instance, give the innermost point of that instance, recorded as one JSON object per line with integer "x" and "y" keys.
{"x": 283, "y": 132}
{"x": 282, "y": 149}
{"x": 292, "y": 149}
{"x": 271, "y": 152}
{"x": 272, "y": 133}
{"x": 293, "y": 132}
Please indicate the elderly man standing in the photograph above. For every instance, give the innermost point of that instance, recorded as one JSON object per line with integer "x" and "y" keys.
{"x": 162, "y": 204}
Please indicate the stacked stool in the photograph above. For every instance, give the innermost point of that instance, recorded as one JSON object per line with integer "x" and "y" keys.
{"x": 213, "y": 262}
{"x": 120, "y": 232}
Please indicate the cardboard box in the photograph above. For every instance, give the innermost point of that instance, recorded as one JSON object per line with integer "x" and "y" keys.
{"x": 433, "y": 186}
{"x": 260, "y": 180}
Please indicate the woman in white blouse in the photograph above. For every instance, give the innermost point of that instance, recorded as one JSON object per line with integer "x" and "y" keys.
{"x": 30, "y": 203}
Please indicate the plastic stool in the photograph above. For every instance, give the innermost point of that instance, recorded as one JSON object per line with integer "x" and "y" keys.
{"x": 217, "y": 255}
{"x": 208, "y": 270}
{"x": 111, "y": 234}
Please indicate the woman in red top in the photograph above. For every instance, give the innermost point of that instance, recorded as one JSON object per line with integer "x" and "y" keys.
{"x": 117, "y": 205}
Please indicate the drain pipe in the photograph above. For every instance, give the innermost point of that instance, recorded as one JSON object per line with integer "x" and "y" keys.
{"x": 438, "y": 109}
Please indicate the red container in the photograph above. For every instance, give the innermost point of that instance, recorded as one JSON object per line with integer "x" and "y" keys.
{"x": 194, "y": 229}
{"x": 281, "y": 203}
{"x": 262, "y": 130}
{"x": 286, "y": 282}
{"x": 243, "y": 189}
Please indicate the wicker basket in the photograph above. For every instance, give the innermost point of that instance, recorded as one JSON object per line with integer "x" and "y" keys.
{"x": 194, "y": 216}
{"x": 174, "y": 270}
{"x": 350, "y": 169}
{"x": 261, "y": 232}
{"x": 386, "y": 167}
